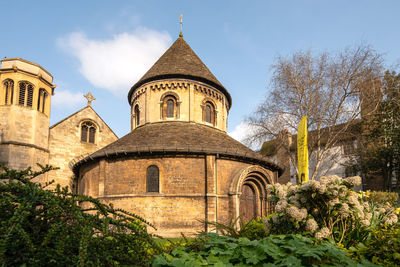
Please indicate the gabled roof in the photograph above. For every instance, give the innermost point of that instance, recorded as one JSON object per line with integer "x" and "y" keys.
{"x": 73, "y": 114}
{"x": 346, "y": 131}
{"x": 170, "y": 138}
{"x": 180, "y": 61}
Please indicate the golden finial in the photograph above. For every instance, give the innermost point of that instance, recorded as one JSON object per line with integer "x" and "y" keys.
{"x": 181, "y": 22}
{"x": 89, "y": 98}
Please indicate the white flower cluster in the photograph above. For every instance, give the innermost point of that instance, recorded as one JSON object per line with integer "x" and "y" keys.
{"x": 315, "y": 206}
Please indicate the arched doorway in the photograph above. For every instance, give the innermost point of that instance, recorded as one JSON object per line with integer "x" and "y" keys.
{"x": 248, "y": 203}
{"x": 253, "y": 197}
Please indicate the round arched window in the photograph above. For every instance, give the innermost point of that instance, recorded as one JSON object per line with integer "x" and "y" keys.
{"x": 209, "y": 113}
{"x": 169, "y": 107}
{"x": 137, "y": 115}
{"x": 153, "y": 179}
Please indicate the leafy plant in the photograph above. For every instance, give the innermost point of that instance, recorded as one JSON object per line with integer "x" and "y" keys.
{"x": 275, "y": 250}
{"x": 382, "y": 197}
{"x": 326, "y": 209}
{"x": 382, "y": 248}
{"x": 40, "y": 227}
{"x": 236, "y": 228}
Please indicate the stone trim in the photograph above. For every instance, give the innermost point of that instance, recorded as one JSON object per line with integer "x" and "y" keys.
{"x": 162, "y": 195}
{"x": 169, "y": 85}
{"x": 8, "y": 70}
{"x": 138, "y": 93}
{"x": 27, "y": 61}
{"x": 24, "y": 144}
{"x": 208, "y": 92}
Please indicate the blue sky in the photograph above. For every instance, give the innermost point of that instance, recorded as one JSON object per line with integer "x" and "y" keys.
{"x": 106, "y": 46}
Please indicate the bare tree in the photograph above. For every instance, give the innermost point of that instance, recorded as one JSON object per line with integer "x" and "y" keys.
{"x": 325, "y": 87}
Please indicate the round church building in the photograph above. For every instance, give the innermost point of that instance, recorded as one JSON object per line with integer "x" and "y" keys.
{"x": 178, "y": 166}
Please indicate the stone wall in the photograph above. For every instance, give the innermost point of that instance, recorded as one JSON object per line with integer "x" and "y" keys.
{"x": 191, "y": 97}
{"x": 23, "y": 137}
{"x": 192, "y": 188}
{"x": 65, "y": 143}
{"x": 24, "y": 130}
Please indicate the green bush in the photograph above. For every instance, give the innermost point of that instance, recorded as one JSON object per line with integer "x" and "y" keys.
{"x": 382, "y": 197}
{"x": 275, "y": 250}
{"x": 327, "y": 208}
{"x": 40, "y": 227}
{"x": 382, "y": 247}
{"x": 254, "y": 229}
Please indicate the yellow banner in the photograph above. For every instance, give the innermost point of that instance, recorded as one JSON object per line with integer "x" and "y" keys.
{"x": 302, "y": 150}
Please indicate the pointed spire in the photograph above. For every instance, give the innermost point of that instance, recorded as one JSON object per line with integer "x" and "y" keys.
{"x": 180, "y": 61}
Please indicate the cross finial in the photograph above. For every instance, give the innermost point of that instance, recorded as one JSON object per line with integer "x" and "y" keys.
{"x": 181, "y": 22}
{"x": 89, "y": 98}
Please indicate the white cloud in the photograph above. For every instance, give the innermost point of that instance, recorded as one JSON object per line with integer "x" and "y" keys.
{"x": 66, "y": 99}
{"x": 116, "y": 64}
{"x": 241, "y": 132}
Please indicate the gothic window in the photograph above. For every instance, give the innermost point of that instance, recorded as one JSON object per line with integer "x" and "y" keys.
{"x": 170, "y": 108}
{"x": 22, "y": 89}
{"x": 9, "y": 88}
{"x": 137, "y": 115}
{"x": 88, "y": 132}
{"x": 209, "y": 113}
{"x": 42, "y": 97}
{"x": 152, "y": 179}
{"x": 25, "y": 94}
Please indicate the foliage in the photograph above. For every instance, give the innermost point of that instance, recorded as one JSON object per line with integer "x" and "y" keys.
{"x": 382, "y": 197}
{"x": 382, "y": 248}
{"x": 275, "y": 250}
{"x": 325, "y": 87}
{"x": 252, "y": 230}
{"x": 326, "y": 209}
{"x": 40, "y": 227}
{"x": 381, "y": 152}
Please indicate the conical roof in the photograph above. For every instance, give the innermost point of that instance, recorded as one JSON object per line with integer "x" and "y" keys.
{"x": 180, "y": 61}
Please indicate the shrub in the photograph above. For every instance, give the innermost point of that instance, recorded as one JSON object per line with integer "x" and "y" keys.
{"x": 275, "y": 250}
{"x": 382, "y": 197}
{"x": 382, "y": 247}
{"x": 254, "y": 229}
{"x": 40, "y": 227}
{"x": 326, "y": 209}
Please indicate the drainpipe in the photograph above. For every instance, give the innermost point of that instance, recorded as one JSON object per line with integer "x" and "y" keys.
{"x": 216, "y": 187}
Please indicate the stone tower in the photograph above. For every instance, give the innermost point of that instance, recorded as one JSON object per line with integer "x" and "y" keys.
{"x": 25, "y": 95}
{"x": 178, "y": 166}
{"x": 179, "y": 87}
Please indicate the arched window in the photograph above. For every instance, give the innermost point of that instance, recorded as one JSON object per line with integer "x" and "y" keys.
{"x": 25, "y": 94}
{"x": 153, "y": 179}
{"x": 209, "y": 113}
{"x": 88, "y": 132}
{"x": 42, "y": 97}
{"x": 9, "y": 88}
{"x": 170, "y": 108}
{"x": 137, "y": 115}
